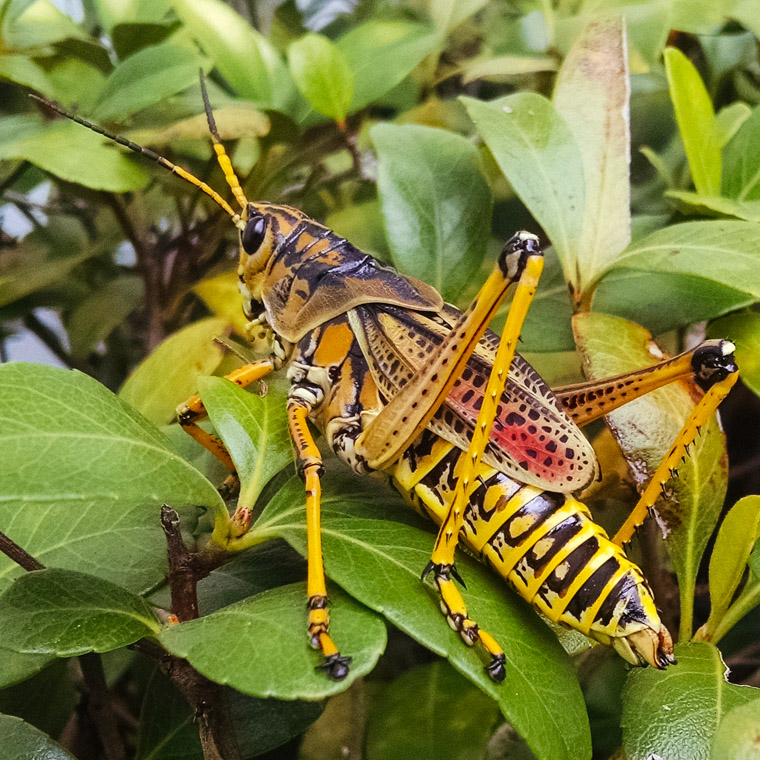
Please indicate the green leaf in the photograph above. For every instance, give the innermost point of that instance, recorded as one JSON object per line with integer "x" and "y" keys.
{"x": 694, "y": 204}
{"x": 737, "y": 733}
{"x": 20, "y": 741}
{"x": 448, "y": 14}
{"x": 114, "y": 12}
{"x": 84, "y": 477}
{"x": 322, "y": 74}
{"x": 663, "y": 301}
{"x": 19, "y": 278}
{"x": 71, "y": 152}
{"x": 504, "y": 67}
{"x": 99, "y": 314}
{"x": 25, "y": 71}
{"x": 741, "y": 165}
{"x": 436, "y": 204}
{"x": 169, "y": 375}
{"x": 254, "y": 429}
{"x": 645, "y": 429}
{"x": 696, "y": 121}
{"x": 728, "y": 121}
{"x": 725, "y": 252}
{"x": 540, "y": 158}
{"x": 259, "y": 646}
{"x": 674, "y": 713}
{"x": 166, "y": 730}
{"x": 412, "y": 717}
{"x": 591, "y": 94}
{"x": 379, "y": 563}
{"x": 245, "y": 58}
{"x": 19, "y": 667}
{"x": 737, "y": 535}
{"x": 35, "y": 23}
{"x": 382, "y": 53}
{"x": 232, "y": 122}
{"x": 46, "y": 700}
{"x": 743, "y": 329}
{"x": 66, "y": 613}
{"x": 146, "y": 78}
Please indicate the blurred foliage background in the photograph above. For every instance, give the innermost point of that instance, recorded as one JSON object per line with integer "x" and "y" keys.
{"x": 426, "y": 132}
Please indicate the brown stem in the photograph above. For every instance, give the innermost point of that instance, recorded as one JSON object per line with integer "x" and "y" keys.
{"x": 184, "y": 569}
{"x": 148, "y": 271}
{"x": 20, "y": 556}
{"x": 205, "y": 697}
{"x": 99, "y": 706}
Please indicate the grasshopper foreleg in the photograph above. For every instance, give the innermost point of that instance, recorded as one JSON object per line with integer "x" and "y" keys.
{"x": 309, "y": 463}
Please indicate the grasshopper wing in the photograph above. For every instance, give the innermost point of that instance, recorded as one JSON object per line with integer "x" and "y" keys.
{"x": 533, "y": 440}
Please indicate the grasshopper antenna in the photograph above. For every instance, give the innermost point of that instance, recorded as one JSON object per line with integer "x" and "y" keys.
{"x": 221, "y": 153}
{"x": 153, "y": 156}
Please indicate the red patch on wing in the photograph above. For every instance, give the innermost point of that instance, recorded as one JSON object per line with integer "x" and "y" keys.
{"x": 536, "y": 440}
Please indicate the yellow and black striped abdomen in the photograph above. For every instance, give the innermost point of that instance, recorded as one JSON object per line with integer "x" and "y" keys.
{"x": 545, "y": 544}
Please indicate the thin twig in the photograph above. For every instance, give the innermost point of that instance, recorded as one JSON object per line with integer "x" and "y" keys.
{"x": 148, "y": 271}
{"x": 51, "y": 341}
{"x": 20, "y": 556}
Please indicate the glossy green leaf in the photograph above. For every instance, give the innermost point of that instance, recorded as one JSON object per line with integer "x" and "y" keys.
{"x": 738, "y": 533}
{"x": 379, "y": 563}
{"x": 259, "y": 646}
{"x": 674, "y": 714}
{"x": 254, "y": 429}
{"x": 645, "y": 429}
{"x": 591, "y": 94}
{"x": 537, "y": 153}
{"x": 66, "y": 613}
{"x": 436, "y": 204}
{"x": 743, "y": 329}
{"x": 20, "y": 741}
{"x": 737, "y": 733}
{"x": 84, "y": 478}
{"x": 725, "y": 252}
{"x": 413, "y": 717}
{"x": 169, "y": 375}
{"x": 245, "y": 58}
{"x": 663, "y": 301}
{"x": 696, "y": 121}
{"x": 741, "y": 165}
{"x": 322, "y": 74}
{"x": 97, "y": 316}
{"x": 70, "y": 152}
{"x": 383, "y": 53}
{"x": 146, "y": 78}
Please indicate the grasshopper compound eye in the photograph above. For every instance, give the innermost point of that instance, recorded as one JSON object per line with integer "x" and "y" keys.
{"x": 252, "y": 236}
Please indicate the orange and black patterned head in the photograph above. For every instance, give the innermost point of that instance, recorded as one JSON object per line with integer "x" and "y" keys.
{"x": 301, "y": 274}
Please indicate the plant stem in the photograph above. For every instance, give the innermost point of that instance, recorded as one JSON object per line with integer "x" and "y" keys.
{"x": 100, "y": 708}
{"x": 20, "y": 556}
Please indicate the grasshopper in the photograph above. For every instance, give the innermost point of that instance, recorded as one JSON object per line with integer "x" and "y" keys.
{"x": 400, "y": 382}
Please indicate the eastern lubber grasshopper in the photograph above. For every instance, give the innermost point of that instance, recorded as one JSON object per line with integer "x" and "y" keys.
{"x": 398, "y": 381}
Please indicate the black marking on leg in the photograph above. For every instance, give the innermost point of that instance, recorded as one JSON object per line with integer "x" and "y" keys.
{"x": 496, "y": 669}
{"x": 455, "y": 574}
{"x": 336, "y": 666}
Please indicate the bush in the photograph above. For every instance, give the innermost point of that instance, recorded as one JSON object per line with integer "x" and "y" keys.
{"x": 426, "y": 133}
